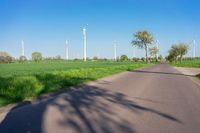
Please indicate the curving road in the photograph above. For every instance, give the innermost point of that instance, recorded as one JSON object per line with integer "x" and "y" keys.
{"x": 157, "y": 99}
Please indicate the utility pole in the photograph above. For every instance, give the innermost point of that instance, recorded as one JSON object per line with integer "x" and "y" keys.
{"x": 22, "y": 43}
{"x": 85, "y": 43}
{"x": 66, "y": 51}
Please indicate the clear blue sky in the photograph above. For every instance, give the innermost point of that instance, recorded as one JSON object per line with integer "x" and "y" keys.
{"x": 44, "y": 25}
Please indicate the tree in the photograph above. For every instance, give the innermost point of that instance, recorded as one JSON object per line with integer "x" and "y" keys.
{"x": 153, "y": 52}
{"x": 142, "y": 40}
{"x": 5, "y": 57}
{"x": 160, "y": 57}
{"x": 22, "y": 58}
{"x": 183, "y": 49}
{"x": 177, "y": 51}
{"x": 124, "y": 58}
{"x": 36, "y": 56}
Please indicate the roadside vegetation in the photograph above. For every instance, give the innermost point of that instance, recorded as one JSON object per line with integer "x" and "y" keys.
{"x": 188, "y": 62}
{"x": 20, "y": 81}
{"x": 177, "y": 52}
{"x": 177, "y": 57}
{"x": 143, "y": 39}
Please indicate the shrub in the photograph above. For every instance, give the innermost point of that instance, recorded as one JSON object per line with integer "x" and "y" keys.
{"x": 19, "y": 88}
{"x": 36, "y": 56}
{"x": 124, "y": 58}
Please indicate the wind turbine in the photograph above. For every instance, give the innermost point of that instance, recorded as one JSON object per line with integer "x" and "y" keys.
{"x": 194, "y": 48}
{"x": 85, "y": 43}
{"x": 115, "y": 51}
{"x": 22, "y": 43}
{"x": 66, "y": 51}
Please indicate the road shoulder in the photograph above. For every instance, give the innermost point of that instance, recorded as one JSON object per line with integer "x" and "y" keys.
{"x": 190, "y": 73}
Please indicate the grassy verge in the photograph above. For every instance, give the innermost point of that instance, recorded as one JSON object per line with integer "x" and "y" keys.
{"x": 187, "y": 63}
{"x": 18, "y": 87}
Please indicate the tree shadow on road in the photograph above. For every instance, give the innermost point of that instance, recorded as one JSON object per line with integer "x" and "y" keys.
{"x": 87, "y": 110}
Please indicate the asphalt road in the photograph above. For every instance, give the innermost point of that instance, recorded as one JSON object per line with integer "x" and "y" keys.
{"x": 157, "y": 99}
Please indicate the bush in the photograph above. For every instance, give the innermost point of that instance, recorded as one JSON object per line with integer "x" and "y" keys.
{"x": 124, "y": 58}
{"x": 22, "y": 59}
{"x": 36, "y": 56}
{"x": 19, "y": 88}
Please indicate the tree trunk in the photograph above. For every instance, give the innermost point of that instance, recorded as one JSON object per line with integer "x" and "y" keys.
{"x": 181, "y": 58}
{"x": 146, "y": 54}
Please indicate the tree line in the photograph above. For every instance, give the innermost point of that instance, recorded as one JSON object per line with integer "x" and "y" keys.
{"x": 144, "y": 39}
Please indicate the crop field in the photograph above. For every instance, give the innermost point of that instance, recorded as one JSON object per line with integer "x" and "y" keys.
{"x": 19, "y": 81}
{"x": 187, "y": 63}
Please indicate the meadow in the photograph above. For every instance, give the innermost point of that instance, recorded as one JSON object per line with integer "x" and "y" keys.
{"x": 187, "y": 63}
{"x": 21, "y": 81}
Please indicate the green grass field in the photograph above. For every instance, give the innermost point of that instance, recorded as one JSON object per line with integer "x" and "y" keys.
{"x": 21, "y": 81}
{"x": 187, "y": 63}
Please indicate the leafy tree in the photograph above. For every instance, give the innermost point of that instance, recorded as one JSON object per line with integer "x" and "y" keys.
{"x": 153, "y": 52}
{"x": 124, "y": 58}
{"x": 5, "y": 57}
{"x": 142, "y": 40}
{"x": 36, "y": 56}
{"x": 160, "y": 57}
{"x": 183, "y": 49}
{"x": 22, "y": 58}
{"x": 135, "y": 59}
{"x": 177, "y": 51}
{"x": 4, "y": 54}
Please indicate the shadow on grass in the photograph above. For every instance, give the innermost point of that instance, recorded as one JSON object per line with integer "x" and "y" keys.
{"x": 87, "y": 110}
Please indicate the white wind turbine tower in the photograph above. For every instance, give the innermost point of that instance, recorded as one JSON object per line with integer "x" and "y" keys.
{"x": 22, "y": 43}
{"x": 66, "y": 51}
{"x": 85, "y": 43}
{"x": 115, "y": 51}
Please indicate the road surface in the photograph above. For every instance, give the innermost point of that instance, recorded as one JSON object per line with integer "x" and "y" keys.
{"x": 157, "y": 99}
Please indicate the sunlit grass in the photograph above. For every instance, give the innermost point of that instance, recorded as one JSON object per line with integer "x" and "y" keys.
{"x": 21, "y": 81}
{"x": 187, "y": 63}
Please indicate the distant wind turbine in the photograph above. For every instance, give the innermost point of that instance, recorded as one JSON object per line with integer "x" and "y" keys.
{"x": 85, "y": 43}
{"x": 193, "y": 45}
